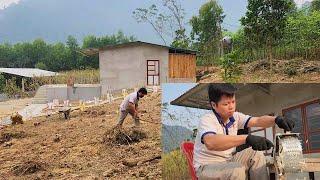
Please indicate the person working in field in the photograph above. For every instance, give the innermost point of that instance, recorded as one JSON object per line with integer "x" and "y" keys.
{"x": 216, "y": 150}
{"x": 130, "y": 106}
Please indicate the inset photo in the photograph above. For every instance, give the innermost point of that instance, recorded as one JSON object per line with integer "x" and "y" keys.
{"x": 241, "y": 131}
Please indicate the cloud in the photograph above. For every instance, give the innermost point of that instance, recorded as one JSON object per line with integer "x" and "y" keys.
{"x": 6, "y": 3}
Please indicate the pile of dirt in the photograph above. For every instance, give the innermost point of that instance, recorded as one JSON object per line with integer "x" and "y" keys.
{"x": 28, "y": 167}
{"x": 16, "y": 118}
{"x": 7, "y": 136}
{"x": 120, "y": 136}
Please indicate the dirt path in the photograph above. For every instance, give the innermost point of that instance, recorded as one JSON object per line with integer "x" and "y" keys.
{"x": 51, "y": 147}
{"x": 11, "y": 106}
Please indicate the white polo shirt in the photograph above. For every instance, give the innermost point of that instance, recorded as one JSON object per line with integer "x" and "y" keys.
{"x": 212, "y": 124}
{"x": 131, "y": 98}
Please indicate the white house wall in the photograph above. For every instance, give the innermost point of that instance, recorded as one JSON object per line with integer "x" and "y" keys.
{"x": 126, "y": 67}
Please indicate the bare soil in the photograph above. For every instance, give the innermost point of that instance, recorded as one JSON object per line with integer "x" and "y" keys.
{"x": 88, "y": 146}
{"x": 284, "y": 71}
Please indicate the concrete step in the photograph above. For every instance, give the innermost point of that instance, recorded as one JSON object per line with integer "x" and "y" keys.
{"x": 41, "y": 96}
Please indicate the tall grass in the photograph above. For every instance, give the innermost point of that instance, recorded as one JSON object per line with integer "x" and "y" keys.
{"x": 174, "y": 166}
{"x": 90, "y": 76}
{"x": 13, "y": 85}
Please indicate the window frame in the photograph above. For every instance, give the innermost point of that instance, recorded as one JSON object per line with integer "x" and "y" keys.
{"x": 305, "y": 130}
{"x": 153, "y": 72}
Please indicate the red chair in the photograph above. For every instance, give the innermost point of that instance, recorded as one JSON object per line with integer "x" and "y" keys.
{"x": 187, "y": 150}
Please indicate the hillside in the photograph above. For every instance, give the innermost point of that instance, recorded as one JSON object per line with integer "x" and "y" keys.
{"x": 172, "y": 136}
{"x": 293, "y": 71}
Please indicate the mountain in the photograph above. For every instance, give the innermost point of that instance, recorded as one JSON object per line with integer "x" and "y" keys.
{"x": 172, "y": 136}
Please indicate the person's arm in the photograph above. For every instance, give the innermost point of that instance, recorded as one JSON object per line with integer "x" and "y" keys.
{"x": 262, "y": 121}
{"x": 269, "y": 121}
{"x": 224, "y": 142}
{"x": 132, "y": 108}
{"x": 217, "y": 142}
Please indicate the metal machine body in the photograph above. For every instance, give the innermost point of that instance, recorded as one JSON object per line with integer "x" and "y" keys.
{"x": 288, "y": 156}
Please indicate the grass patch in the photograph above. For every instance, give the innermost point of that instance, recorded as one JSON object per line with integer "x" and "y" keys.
{"x": 174, "y": 166}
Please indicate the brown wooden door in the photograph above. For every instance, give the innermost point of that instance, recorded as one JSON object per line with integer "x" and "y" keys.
{"x": 153, "y": 72}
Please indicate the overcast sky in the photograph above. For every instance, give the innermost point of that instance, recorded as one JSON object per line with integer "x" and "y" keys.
{"x": 54, "y": 20}
{"x": 7, "y": 3}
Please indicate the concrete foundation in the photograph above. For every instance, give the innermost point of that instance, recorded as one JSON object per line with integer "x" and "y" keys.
{"x": 83, "y": 92}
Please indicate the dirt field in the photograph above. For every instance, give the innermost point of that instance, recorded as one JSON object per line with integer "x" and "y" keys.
{"x": 54, "y": 148}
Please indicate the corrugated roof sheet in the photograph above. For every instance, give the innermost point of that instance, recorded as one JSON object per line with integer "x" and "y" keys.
{"x": 92, "y": 51}
{"x": 28, "y": 72}
{"x": 197, "y": 97}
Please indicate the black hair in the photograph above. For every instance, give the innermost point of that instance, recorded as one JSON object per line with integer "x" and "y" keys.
{"x": 216, "y": 91}
{"x": 143, "y": 91}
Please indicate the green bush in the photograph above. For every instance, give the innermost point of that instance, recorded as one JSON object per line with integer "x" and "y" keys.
{"x": 291, "y": 68}
{"x": 11, "y": 89}
{"x": 41, "y": 65}
{"x": 230, "y": 63}
{"x": 291, "y": 71}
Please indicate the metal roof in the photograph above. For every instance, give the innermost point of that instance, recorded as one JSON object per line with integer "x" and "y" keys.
{"x": 197, "y": 97}
{"x": 27, "y": 72}
{"x": 92, "y": 51}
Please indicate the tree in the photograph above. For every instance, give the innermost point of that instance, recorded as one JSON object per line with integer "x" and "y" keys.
{"x": 181, "y": 40}
{"x": 168, "y": 24}
{"x": 2, "y": 83}
{"x": 315, "y": 5}
{"x": 41, "y": 65}
{"x": 206, "y": 30}
{"x": 303, "y": 34}
{"x": 157, "y": 20}
{"x": 73, "y": 49}
{"x": 58, "y": 56}
{"x": 177, "y": 14}
{"x": 265, "y": 22}
{"x": 6, "y": 55}
{"x": 38, "y": 52}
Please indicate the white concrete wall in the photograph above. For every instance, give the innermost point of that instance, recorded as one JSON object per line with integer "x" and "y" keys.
{"x": 257, "y": 103}
{"x": 77, "y": 93}
{"x": 126, "y": 67}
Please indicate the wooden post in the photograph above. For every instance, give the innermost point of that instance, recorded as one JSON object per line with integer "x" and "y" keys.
{"x": 22, "y": 84}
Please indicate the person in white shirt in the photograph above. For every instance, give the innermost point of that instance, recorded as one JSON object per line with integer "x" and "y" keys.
{"x": 217, "y": 152}
{"x": 130, "y": 106}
